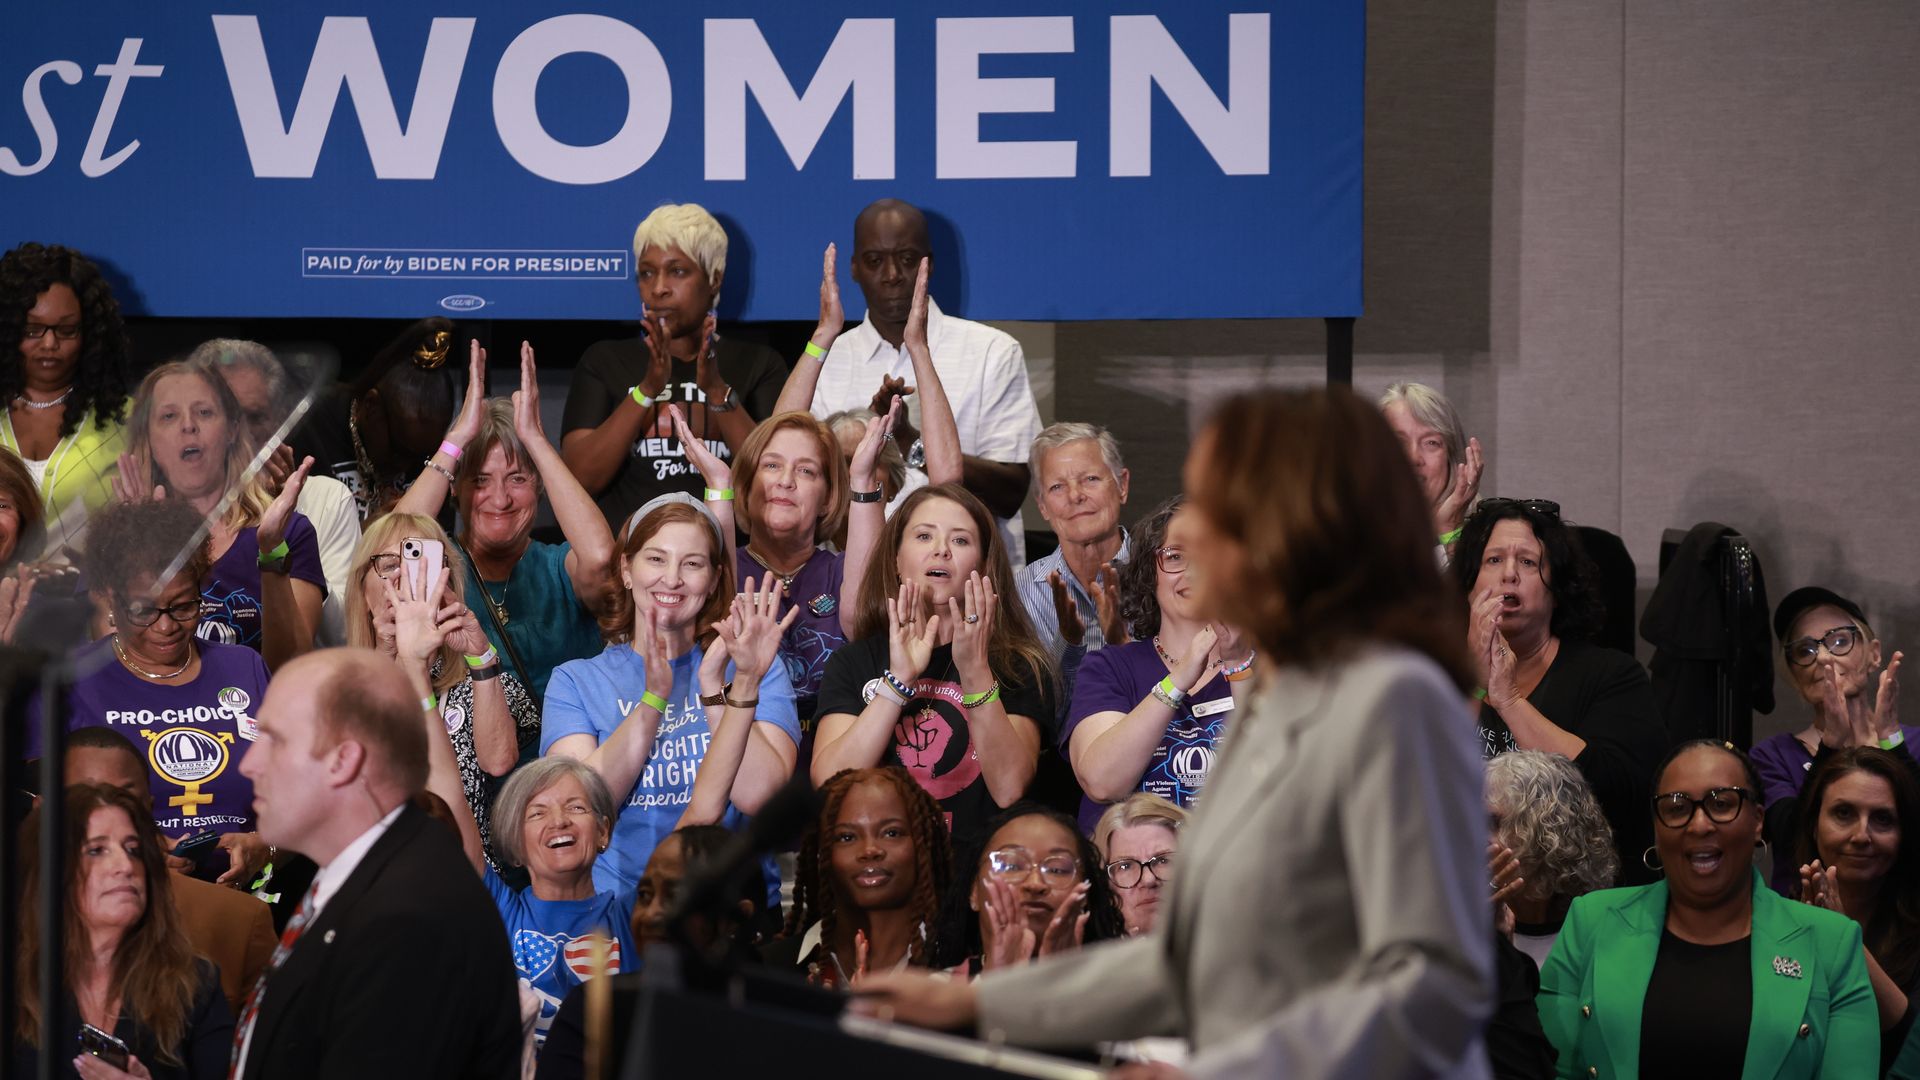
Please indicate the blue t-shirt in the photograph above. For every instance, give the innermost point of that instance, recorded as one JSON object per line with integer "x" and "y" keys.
{"x": 544, "y": 616}
{"x": 552, "y": 950}
{"x": 594, "y": 696}
{"x": 1115, "y": 679}
{"x": 192, "y": 736}
{"x": 230, "y": 595}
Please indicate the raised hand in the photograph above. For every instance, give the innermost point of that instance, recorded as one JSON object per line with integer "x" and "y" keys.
{"x": 832, "y": 317}
{"x": 1230, "y": 646}
{"x": 1009, "y": 940}
{"x": 1073, "y": 630}
{"x": 465, "y": 633}
{"x": 1886, "y": 702}
{"x": 973, "y": 627}
{"x": 706, "y": 366}
{"x": 526, "y": 401}
{"x": 712, "y": 470}
{"x": 466, "y": 426}
{"x": 859, "y": 958}
{"x": 131, "y": 487}
{"x": 278, "y": 465}
{"x": 246, "y": 855}
{"x": 910, "y": 639}
{"x": 713, "y": 660}
{"x": 1844, "y": 721}
{"x": 757, "y": 642}
{"x": 419, "y": 628}
{"x": 1503, "y": 872}
{"x": 866, "y": 455}
{"x": 1501, "y": 691}
{"x": 1196, "y": 665}
{"x": 273, "y": 523}
{"x": 1106, "y": 606}
{"x": 1453, "y": 506}
{"x": 914, "y": 336}
{"x": 16, "y": 590}
{"x": 1820, "y": 886}
{"x": 892, "y": 389}
{"x": 660, "y": 349}
{"x": 659, "y": 666}
{"x": 1069, "y": 923}
{"x": 1483, "y": 615}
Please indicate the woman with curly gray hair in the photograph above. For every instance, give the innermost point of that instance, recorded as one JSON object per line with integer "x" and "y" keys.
{"x": 1544, "y": 812}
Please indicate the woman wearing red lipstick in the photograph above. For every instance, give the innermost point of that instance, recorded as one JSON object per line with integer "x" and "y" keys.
{"x": 944, "y": 678}
{"x": 1533, "y": 606}
{"x": 1860, "y": 806}
{"x": 1708, "y": 973}
{"x": 869, "y": 881}
{"x": 187, "y": 441}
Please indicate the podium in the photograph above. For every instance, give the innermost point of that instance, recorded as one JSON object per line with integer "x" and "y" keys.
{"x": 677, "y": 1033}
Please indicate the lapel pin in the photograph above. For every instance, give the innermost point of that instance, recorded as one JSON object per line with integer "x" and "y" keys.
{"x": 328, "y": 938}
{"x": 1784, "y": 966}
{"x": 823, "y": 604}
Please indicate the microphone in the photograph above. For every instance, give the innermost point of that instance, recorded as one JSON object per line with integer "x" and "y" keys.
{"x": 712, "y": 887}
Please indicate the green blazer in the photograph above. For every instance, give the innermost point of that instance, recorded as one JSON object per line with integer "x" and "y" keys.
{"x": 1822, "y": 1023}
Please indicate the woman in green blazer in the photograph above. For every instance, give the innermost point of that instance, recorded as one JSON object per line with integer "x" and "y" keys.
{"x": 1708, "y": 973}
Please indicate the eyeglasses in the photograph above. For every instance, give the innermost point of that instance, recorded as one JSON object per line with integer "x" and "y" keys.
{"x": 1014, "y": 863}
{"x": 145, "y": 615}
{"x": 1838, "y": 641}
{"x": 1675, "y": 809}
{"x": 1170, "y": 560}
{"x": 386, "y": 564}
{"x": 1128, "y": 873}
{"x": 36, "y": 331}
{"x": 1532, "y": 506}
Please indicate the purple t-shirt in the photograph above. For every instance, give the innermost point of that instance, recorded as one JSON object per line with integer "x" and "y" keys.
{"x": 816, "y": 632}
{"x": 192, "y": 736}
{"x": 1115, "y": 679}
{"x": 230, "y": 596}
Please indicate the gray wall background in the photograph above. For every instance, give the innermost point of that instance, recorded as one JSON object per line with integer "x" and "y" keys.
{"x": 1664, "y": 255}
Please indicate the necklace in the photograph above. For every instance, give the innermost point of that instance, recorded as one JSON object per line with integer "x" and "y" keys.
{"x": 786, "y": 580}
{"x": 1171, "y": 662}
{"x": 32, "y": 404}
{"x": 120, "y": 651}
{"x": 499, "y": 607}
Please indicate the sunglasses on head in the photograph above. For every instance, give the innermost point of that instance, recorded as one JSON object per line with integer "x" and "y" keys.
{"x": 1546, "y": 507}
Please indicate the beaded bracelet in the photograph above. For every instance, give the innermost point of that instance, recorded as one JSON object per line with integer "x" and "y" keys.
{"x": 974, "y": 701}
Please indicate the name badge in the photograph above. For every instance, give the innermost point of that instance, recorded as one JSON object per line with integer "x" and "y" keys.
{"x": 1217, "y": 705}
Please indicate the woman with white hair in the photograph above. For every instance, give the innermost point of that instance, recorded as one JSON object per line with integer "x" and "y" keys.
{"x": 616, "y": 434}
{"x": 1447, "y": 462}
{"x": 1545, "y": 816}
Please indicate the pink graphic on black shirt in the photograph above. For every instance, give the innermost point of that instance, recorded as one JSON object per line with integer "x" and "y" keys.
{"x": 931, "y": 740}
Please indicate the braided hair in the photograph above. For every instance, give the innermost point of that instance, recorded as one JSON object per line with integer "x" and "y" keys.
{"x": 814, "y": 897}
{"x": 103, "y": 377}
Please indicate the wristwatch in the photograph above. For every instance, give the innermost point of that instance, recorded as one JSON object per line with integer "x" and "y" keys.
{"x": 726, "y": 404}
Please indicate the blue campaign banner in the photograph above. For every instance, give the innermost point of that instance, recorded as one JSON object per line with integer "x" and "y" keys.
{"x": 1105, "y": 160}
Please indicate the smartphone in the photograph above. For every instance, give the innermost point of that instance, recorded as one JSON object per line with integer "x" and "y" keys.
{"x": 203, "y": 850}
{"x": 422, "y": 560}
{"x": 104, "y": 1046}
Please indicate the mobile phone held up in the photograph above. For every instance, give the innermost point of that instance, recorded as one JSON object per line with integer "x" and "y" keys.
{"x": 422, "y": 560}
{"x": 104, "y": 1046}
{"x": 203, "y": 850}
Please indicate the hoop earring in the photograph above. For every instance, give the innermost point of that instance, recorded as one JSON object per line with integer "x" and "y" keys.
{"x": 1651, "y": 860}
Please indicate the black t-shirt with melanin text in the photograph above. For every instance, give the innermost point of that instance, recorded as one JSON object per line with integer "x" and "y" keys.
{"x": 655, "y": 464}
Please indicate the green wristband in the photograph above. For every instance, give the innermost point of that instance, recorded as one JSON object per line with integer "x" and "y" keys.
{"x": 719, "y": 495}
{"x": 1448, "y": 538}
{"x": 639, "y": 398}
{"x": 815, "y": 351}
{"x": 653, "y": 701}
{"x": 268, "y": 558}
{"x": 973, "y": 701}
{"x": 1480, "y": 694}
{"x": 1893, "y": 740}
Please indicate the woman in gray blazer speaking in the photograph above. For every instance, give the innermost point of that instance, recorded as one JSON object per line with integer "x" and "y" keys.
{"x": 1331, "y": 914}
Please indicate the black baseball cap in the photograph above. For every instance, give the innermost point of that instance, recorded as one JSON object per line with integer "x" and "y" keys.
{"x": 1799, "y": 600}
